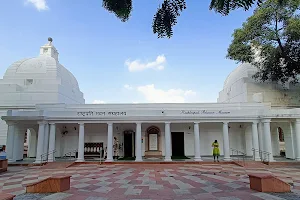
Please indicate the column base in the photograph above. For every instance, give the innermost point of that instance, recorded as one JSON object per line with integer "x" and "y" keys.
{"x": 296, "y": 159}
{"x": 11, "y": 161}
{"x": 79, "y": 160}
{"x": 109, "y": 160}
{"x": 138, "y": 160}
{"x": 51, "y": 160}
{"x": 168, "y": 159}
{"x": 38, "y": 161}
{"x": 227, "y": 159}
{"x": 198, "y": 159}
{"x": 257, "y": 159}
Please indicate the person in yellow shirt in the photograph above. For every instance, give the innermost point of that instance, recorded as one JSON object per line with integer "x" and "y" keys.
{"x": 216, "y": 150}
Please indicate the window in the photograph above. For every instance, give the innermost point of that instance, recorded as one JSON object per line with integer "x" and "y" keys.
{"x": 29, "y": 81}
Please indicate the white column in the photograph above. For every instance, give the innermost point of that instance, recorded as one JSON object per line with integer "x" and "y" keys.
{"x": 297, "y": 136}
{"x": 138, "y": 142}
{"x": 168, "y": 141}
{"x": 255, "y": 143}
{"x": 10, "y": 142}
{"x": 46, "y": 141}
{"x": 81, "y": 143}
{"x": 267, "y": 139}
{"x": 261, "y": 136}
{"x": 109, "y": 143}
{"x": 226, "y": 142}
{"x": 197, "y": 142}
{"x": 51, "y": 156}
{"x": 40, "y": 144}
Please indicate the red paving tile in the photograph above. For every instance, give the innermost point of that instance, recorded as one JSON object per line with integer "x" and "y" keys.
{"x": 160, "y": 188}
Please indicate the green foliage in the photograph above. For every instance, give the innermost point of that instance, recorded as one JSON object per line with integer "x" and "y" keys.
{"x": 269, "y": 40}
{"x": 166, "y": 16}
{"x": 121, "y": 8}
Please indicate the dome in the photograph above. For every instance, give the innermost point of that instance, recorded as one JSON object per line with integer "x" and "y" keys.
{"x": 244, "y": 70}
{"x": 45, "y": 66}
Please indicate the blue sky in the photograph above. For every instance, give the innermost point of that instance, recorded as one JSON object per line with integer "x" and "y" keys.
{"x": 118, "y": 62}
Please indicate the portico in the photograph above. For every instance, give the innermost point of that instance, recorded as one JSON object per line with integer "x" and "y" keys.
{"x": 83, "y": 130}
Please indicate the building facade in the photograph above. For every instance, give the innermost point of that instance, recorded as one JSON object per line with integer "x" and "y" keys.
{"x": 44, "y": 100}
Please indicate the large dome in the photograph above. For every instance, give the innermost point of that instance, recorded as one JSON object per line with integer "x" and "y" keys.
{"x": 244, "y": 70}
{"x": 46, "y": 66}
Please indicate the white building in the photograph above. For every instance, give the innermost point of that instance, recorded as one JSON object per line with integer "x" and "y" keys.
{"x": 42, "y": 97}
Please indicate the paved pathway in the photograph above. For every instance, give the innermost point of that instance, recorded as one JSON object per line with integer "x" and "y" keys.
{"x": 116, "y": 182}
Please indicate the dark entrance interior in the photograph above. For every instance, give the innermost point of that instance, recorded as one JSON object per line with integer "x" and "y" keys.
{"x": 177, "y": 144}
{"x": 128, "y": 143}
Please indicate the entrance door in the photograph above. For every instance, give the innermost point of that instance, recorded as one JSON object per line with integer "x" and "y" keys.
{"x": 177, "y": 144}
{"x": 128, "y": 143}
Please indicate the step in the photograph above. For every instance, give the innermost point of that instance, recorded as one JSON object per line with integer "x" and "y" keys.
{"x": 57, "y": 165}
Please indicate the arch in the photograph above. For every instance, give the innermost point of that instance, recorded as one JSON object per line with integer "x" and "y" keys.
{"x": 153, "y": 135}
{"x": 153, "y": 130}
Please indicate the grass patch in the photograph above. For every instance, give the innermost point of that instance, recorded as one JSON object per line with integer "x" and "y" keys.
{"x": 179, "y": 157}
{"x": 127, "y": 158}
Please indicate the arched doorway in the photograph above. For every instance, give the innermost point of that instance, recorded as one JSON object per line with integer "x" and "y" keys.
{"x": 153, "y": 148}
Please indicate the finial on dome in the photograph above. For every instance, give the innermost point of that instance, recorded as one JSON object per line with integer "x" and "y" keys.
{"x": 50, "y": 39}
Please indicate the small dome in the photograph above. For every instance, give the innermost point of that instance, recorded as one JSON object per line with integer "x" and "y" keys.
{"x": 244, "y": 70}
{"x": 45, "y": 66}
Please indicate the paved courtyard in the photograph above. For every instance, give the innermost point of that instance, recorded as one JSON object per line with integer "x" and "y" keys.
{"x": 91, "y": 182}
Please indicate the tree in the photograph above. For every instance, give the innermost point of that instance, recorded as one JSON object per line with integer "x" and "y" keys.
{"x": 166, "y": 16}
{"x": 270, "y": 40}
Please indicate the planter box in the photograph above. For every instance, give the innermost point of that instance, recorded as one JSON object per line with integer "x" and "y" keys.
{"x": 50, "y": 185}
{"x": 268, "y": 183}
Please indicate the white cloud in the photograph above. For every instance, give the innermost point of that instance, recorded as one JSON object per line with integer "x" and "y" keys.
{"x": 128, "y": 87}
{"x": 98, "y": 102}
{"x": 154, "y": 95}
{"x": 39, "y": 4}
{"x": 137, "y": 65}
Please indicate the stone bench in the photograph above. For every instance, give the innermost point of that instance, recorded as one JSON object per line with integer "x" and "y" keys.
{"x": 3, "y": 165}
{"x": 4, "y": 196}
{"x": 50, "y": 185}
{"x": 268, "y": 183}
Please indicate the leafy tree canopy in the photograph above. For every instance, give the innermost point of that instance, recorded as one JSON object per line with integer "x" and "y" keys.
{"x": 270, "y": 40}
{"x": 166, "y": 16}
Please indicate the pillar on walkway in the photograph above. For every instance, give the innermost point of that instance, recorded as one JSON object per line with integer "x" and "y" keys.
{"x": 10, "y": 141}
{"x": 297, "y": 137}
{"x": 197, "y": 142}
{"x": 46, "y": 141}
{"x": 226, "y": 142}
{"x": 138, "y": 142}
{"x": 168, "y": 141}
{"x": 40, "y": 144}
{"x": 109, "y": 157}
{"x": 51, "y": 156}
{"x": 267, "y": 140}
{"x": 80, "y": 157}
{"x": 255, "y": 143}
{"x": 261, "y": 136}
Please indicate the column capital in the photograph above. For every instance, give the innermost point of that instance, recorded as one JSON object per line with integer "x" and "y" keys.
{"x": 51, "y": 123}
{"x": 255, "y": 122}
{"x": 225, "y": 123}
{"x": 168, "y": 123}
{"x": 138, "y": 123}
{"x": 42, "y": 122}
{"x": 266, "y": 120}
{"x": 109, "y": 124}
{"x": 197, "y": 123}
{"x": 81, "y": 123}
{"x": 11, "y": 123}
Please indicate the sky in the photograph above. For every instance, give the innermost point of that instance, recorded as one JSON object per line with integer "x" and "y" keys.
{"x": 124, "y": 62}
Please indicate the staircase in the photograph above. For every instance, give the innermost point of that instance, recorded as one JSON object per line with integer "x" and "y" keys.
{"x": 57, "y": 165}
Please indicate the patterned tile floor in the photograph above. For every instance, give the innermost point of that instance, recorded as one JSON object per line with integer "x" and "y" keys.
{"x": 115, "y": 182}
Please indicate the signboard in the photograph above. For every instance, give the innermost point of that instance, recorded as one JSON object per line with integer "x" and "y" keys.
{"x": 153, "y": 142}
